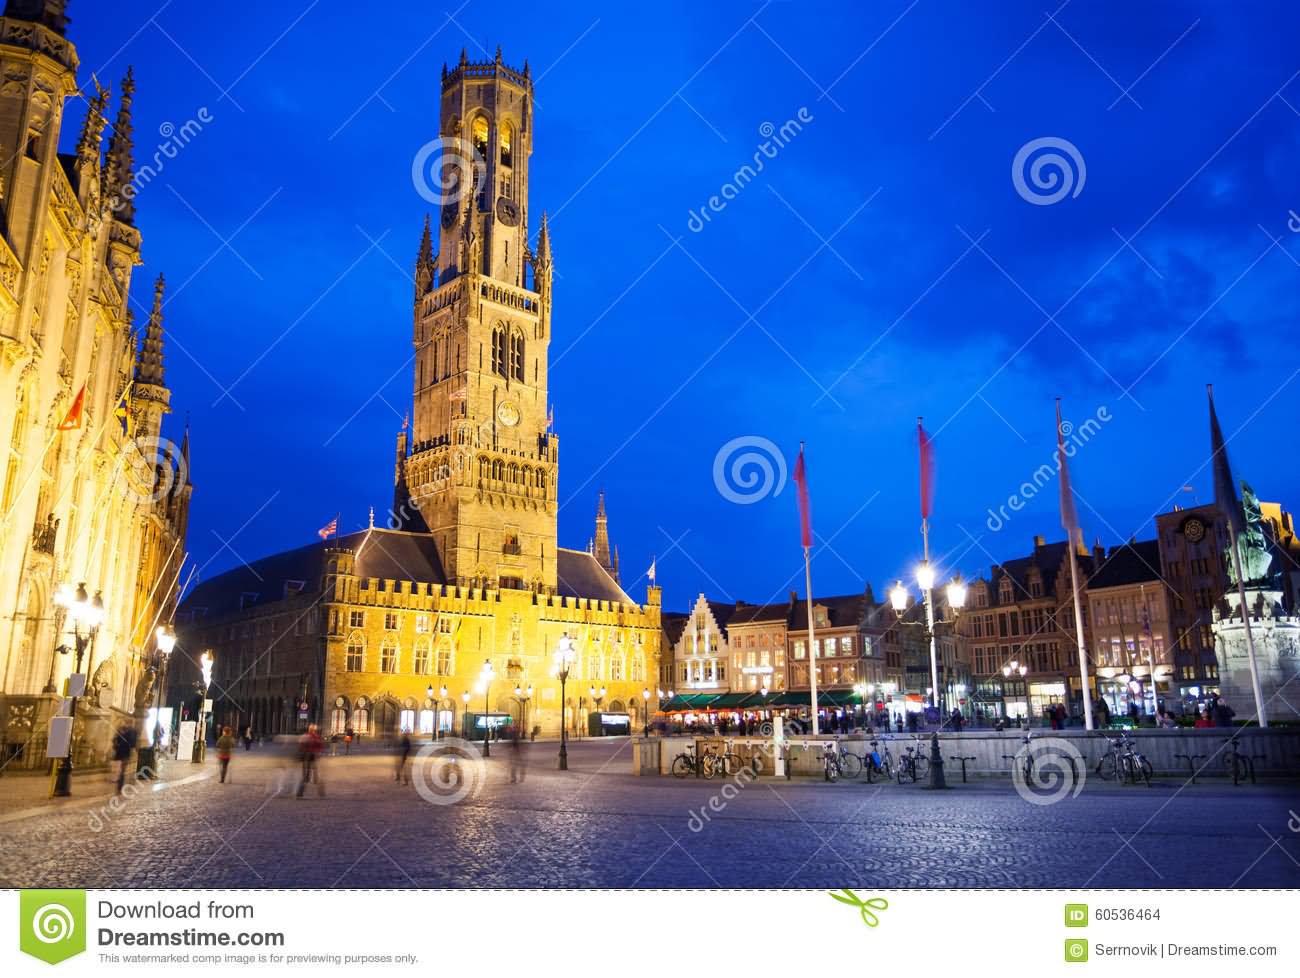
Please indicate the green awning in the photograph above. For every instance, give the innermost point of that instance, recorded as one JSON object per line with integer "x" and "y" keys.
{"x": 688, "y": 702}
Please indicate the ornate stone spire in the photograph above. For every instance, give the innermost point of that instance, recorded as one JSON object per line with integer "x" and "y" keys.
{"x": 149, "y": 367}
{"x": 600, "y": 545}
{"x": 119, "y": 166}
{"x": 424, "y": 264}
{"x": 92, "y": 129}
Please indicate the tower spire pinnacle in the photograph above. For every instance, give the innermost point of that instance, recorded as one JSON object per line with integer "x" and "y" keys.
{"x": 120, "y": 163}
{"x": 600, "y": 544}
{"x": 149, "y": 367}
{"x": 92, "y": 128}
{"x": 424, "y": 264}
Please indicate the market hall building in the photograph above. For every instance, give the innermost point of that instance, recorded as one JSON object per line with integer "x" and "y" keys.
{"x": 450, "y": 617}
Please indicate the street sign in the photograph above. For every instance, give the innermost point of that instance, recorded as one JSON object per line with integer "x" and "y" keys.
{"x": 60, "y": 737}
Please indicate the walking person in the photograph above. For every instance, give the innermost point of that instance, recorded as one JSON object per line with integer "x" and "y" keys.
{"x": 401, "y": 775}
{"x": 123, "y": 744}
{"x": 518, "y": 767}
{"x": 310, "y": 746}
{"x": 347, "y": 739}
{"x": 225, "y": 748}
{"x": 248, "y": 738}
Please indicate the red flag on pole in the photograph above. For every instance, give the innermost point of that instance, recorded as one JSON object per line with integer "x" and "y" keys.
{"x": 805, "y": 509}
{"x": 329, "y": 529}
{"x": 927, "y": 470}
{"x": 73, "y": 418}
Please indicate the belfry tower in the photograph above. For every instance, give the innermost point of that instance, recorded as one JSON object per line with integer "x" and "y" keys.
{"x": 482, "y": 466}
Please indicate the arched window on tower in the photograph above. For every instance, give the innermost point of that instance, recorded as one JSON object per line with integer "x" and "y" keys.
{"x": 517, "y": 354}
{"x": 479, "y": 144}
{"x": 507, "y": 144}
{"x": 499, "y": 351}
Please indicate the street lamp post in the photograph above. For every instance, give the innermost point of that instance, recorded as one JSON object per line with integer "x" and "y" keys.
{"x": 200, "y": 753}
{"x": 87, "y": 615}
{"x": 898, "y": 598}
{"x": 486, "y": 677}
{"x": 597, "y": 697}
{"x": 437, "y": 717}
{"x": 645, "y": 707}
{"x": 164, "y": 642}
{"x": 564, "y": 659}
{"x": 464, "y": 714}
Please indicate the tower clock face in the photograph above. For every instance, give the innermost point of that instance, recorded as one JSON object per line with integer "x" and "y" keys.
{"x": 1194, "y": 530}
{"x": 508, "y": 414}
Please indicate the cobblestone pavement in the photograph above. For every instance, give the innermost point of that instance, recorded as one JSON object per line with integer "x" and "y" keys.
{"x": 597, "y": 825}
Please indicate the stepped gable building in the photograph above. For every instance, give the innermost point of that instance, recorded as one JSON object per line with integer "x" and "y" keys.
{"x": 387, "y": 629}
{"x": 1024, "y": 612}
{"x": 1129, "y": 608}
{"x": 91, "y": 491}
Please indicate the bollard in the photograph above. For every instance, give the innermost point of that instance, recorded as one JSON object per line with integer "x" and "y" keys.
{"x": 963, "y": 759}
{"x": 936, "y": 764}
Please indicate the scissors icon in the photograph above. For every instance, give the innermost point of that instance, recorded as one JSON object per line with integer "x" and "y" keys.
{"x": 865, "y": 906}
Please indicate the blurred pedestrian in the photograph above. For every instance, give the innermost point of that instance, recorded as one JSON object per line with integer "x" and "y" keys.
{"x": 225, "y": 748}
{"x": 347, "y": 739}
{"x": 956, "y": 720}
{"x": 123, "y": 744}
{"x": 401, "y": 776}
{"x": 518, "y": 767}
{"x": 248, "y": 738}
{"x": 310, "y": 746}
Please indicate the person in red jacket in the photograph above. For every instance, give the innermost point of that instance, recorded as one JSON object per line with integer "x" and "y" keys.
{"x": 310, "y": 748}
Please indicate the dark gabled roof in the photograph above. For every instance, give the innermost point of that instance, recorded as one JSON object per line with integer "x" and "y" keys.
{"x": 1131, "y": 563}
{"x": 381, "y": 553}
{"x": 1047, "y": 558}
{"x": 748, "y": 614}
{"x": 721, "y": 612}
{"x": 673, "y": 624}
{"x": 579, "y": 575}
{"x": 841, "y": 610}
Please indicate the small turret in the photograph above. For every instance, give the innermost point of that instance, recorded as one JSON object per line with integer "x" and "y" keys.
{"x": 150, "y": 398}
{"x": 424, "y": 263}
{"x": 119, "y": 165}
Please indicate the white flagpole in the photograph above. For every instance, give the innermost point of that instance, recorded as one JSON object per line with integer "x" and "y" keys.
{"x": 1235, "y": 547}
{"x": 1078, "y": 635}
{"x": 812, "y": 643}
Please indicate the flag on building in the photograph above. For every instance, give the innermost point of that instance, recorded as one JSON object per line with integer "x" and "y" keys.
{"x": 329, "y": 529}
{"x": 805, "y": 508}
{"x": 1225, "y": 490}
{"x": 406, "y": 421}
{"x": 651, "y": 572}
{"x": 1069, "y": 518}
{"x": 927, "y": 470}
{"x": 550, "y": 418}
{"x": 72, "y": 419}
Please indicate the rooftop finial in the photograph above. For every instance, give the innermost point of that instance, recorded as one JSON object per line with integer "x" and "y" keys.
{"x": 92, "y": 129}
{"x": 149, "y": 367}
{"x": 120, "y": 164}
{"x": 498, "y": 54}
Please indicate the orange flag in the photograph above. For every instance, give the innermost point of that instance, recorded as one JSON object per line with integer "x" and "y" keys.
{"x": 72, "y": 419}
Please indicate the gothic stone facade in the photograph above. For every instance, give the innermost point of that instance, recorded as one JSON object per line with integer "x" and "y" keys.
{"x": 104, "y": 500}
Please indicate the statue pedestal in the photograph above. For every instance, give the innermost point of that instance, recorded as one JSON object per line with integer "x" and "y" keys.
{"x": 1277, "y": 654}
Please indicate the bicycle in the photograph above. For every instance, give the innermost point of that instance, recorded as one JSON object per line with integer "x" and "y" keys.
{"x": 1239, "y": 766}
{"x": 831, "y": 770}
{"x": 688, "y": 762}
{"x": 878, "y": 762}
{"x": 1027, "y": 764}
{"x": 1123, "y": 762}
{"x": 913, "y": 763}
{"x": 850, "y": 764}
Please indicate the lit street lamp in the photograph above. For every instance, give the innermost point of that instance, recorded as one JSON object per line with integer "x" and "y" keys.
{"x": 87, "y": 615}
{"x": 565, "y": 656}
{"x": 1014, "y": 668}
{"x": 925, "y": 580}
{"x": 464, "y": 714}
{"x": 147, "y": 757}
{"x": 201, "y": 746}
{"x": 645, "y": 706}
{"x": 485, "y": 677}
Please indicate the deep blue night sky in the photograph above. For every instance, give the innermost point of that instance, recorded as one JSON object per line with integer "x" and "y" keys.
{"x": 937, "y": 294}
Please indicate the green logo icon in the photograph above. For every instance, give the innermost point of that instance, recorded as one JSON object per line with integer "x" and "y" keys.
{"x": 1076, "y": 950}
{"x": 867, "y": 907}
{"x": 1076, "y": 915}
{"x": 52, "y": 923}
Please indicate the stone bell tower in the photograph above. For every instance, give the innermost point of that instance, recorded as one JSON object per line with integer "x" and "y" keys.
{"x": 483, "y": 463}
